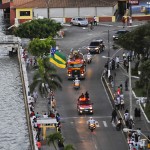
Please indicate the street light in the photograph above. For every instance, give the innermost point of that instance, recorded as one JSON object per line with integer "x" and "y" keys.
{"x": 48, "y": 5}
{"x": 130, "y": 8}
{"x": 130, "y": 89}
{"x": 108, "y": 56}
{"x": 148, "y": 3}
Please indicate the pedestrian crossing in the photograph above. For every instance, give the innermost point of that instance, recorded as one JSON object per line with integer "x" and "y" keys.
{"x": 101, "y": 122}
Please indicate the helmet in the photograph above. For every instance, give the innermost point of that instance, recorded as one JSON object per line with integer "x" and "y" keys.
{"x": 88, "y": 53}
{"x": 76, "y": 78}
{"x": 91, "y": 118}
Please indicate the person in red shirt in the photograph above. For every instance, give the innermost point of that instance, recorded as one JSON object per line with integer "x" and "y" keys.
{"x": 38, "y": 143}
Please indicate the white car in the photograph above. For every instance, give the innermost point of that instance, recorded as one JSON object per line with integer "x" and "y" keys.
{"x": 79, "y": 21}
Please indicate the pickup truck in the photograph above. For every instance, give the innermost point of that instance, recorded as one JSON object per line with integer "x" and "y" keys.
{"x": 84, "y": 106}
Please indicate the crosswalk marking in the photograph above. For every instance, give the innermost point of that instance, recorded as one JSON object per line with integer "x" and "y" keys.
{"x": 105, "y": 124}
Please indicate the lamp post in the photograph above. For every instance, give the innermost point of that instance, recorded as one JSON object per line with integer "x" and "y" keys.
{"x": 108, "y": 56}
{"x": 130, "y": 8}
{"x": 130, "y": 89}
{"x": 47, "y": 3}
{"x": 148, "y": 3}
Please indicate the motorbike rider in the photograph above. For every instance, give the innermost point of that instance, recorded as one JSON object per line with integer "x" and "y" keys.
{"x": 76, "y": 81}
{"x": 89, "y": 56}
{"x": 86, "y": 95}
{"x": 91, "y": 121}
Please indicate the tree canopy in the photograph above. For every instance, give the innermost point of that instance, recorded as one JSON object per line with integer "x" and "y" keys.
{"x": 38, "y": 28}
{"x": 39, "y": 47}
{"x": 137, "y": 40}
{"x": 45, "y": 75}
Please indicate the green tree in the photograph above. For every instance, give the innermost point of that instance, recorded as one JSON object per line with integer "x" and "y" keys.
{"x": 39, "y": 47}
{"x": 69, "y": 147}
{"x": 137, "y": 40}
{"x": 145, "y": 76}
{"x": 53, "y": 138}
{"x": 45, "y": 75}
{"x": 38, "y": 28}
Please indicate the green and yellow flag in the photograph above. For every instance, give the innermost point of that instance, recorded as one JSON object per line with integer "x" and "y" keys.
{"x": 58, "y": 59}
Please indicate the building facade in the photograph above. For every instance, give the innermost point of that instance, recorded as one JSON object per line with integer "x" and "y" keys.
{"x": 64, "y": 10}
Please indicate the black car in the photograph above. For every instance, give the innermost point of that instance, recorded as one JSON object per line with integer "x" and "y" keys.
{"x": 118, "y": 33}
{"x": 96, "y": 46}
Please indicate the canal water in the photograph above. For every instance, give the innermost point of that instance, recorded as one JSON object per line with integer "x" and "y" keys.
{"x": 13, "y": 125}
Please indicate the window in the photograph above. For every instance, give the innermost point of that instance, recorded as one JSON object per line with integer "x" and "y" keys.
{"x": 24, "y": 13}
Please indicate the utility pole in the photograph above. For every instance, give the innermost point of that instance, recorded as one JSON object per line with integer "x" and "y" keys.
{"x": 108, "y": 56}
{"x": 130, "y": 8}
{"x": 130, "y": 88}
{"x": 48, "y": 6}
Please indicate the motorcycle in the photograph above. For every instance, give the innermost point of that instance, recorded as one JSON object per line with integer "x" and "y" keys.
{"x": 89, "y": 59}
{"x": 92, "y": 127}
{"x": 76, "y": 84}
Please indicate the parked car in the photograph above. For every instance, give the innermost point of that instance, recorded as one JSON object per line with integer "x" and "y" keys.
{"x": 118, "y": 33}
{"x": 96, "y": 46}
{"x": 79, "y": 21}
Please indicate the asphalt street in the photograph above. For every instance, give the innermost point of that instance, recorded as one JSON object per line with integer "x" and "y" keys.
{"x": 74, "y": 126}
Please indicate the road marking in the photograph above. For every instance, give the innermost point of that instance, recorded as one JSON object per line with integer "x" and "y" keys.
{"x": 113, "y": 124}
{"x": 105, "y": 124}
{"x": 95, "y": 146}
{"x": 86, "y": 117}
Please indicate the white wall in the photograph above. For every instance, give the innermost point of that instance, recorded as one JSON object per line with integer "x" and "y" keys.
{"x": 71, "y": 12}
{"x": 87, "y": 12}
{"x": 40, "y": 12}
{"x": 104, "y": 11}
{"x": 56, "y": 12}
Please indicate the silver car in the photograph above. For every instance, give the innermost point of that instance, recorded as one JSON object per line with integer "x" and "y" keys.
{"x": 79, "y": 21}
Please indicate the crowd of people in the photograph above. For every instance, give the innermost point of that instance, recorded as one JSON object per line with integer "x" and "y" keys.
{"x": 52, "y": 113}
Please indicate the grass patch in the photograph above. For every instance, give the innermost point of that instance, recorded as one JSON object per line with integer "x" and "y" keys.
{"x": 139, "y": 92}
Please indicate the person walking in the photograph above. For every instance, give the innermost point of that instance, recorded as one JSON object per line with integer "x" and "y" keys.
{"x": 95, "y": 22}
{"x": 113, "y": 116}
{"x": 38, "y": 143}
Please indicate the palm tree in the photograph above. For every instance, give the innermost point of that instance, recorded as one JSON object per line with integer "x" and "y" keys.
{"x": 53, "y": 138}
{"x": 69, "y": 147}
{"x": 45, "y": 75}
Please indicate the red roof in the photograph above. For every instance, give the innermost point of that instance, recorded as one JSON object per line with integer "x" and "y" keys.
{"x": 63, "y": 3}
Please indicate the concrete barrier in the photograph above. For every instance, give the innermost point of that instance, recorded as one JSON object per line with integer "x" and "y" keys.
{"x": 25, "y": 85}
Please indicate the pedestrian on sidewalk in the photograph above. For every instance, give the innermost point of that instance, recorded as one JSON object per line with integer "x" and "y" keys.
{"x": 95, "y": 22}
{"x": 135, "y": 112}
{"x": 113, "y": 115}
{"x": 122, "y": 104}
{"x": 118, "y": 101}
{"x": 117, "y": 61}
{"x": 139, "y": 113}
{"x": 127, "y": 66}
{"x": 121, "y": 89}
{"x": 126, "y": 117}
{"x": 38, "y": 143}
{"x": 35, "y": 96}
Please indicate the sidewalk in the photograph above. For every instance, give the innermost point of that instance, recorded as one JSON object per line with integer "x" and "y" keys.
{"x": 119, "y": 76}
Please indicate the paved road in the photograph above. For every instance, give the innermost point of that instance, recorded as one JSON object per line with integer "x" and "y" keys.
{"x": 74, "y": 127}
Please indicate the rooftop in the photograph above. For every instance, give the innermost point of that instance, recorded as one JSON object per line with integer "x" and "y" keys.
{"x": 63, "y": 3}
